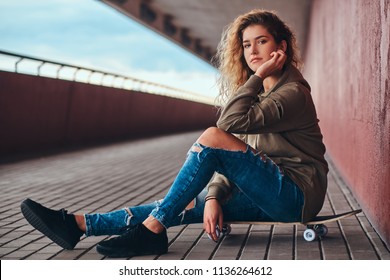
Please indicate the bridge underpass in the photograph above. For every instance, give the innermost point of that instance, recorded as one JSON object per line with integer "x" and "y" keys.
{"x": 346, "y": 57}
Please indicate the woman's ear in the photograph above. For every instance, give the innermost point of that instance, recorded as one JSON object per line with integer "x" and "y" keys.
{"x": 283, "y": 45}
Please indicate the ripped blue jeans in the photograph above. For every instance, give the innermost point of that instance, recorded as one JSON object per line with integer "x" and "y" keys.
{"x": 262, "y": 193}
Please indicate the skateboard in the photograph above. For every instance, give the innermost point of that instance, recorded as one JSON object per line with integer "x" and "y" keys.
{"x": 315, "y": 228}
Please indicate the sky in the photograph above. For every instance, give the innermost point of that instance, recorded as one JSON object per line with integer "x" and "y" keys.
{"x": 90, "y": 33}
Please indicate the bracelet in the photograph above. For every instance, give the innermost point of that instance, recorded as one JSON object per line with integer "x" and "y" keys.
{"x": 210, "y": 198}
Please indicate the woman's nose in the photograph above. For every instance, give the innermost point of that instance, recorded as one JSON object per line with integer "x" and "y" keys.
{"x": 254, "y": 49}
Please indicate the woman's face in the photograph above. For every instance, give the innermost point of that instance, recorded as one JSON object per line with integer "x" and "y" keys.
{"x": 258, "y": 45}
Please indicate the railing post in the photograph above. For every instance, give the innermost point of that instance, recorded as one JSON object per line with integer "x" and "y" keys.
{"x": 16, "y": 64}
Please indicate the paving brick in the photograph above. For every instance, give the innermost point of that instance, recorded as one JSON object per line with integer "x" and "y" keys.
{"x": 232, "y": 244}
{"x": 256, "y": 246}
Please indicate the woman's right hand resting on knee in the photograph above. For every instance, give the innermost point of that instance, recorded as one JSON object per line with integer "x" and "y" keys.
{"x": 212, "y": 217}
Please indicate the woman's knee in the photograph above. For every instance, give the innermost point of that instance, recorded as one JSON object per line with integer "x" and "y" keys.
{"x": 212, "y": 137}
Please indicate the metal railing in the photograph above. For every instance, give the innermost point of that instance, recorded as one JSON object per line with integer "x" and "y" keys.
{"x": 34, "y": 66}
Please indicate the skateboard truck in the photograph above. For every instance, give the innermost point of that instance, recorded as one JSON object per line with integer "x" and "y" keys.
{"x": 313, "y": 231}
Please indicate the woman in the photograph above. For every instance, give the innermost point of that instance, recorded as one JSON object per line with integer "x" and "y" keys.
{"x": 271, "y": 169}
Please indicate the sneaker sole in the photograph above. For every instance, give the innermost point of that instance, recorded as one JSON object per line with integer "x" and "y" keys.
{"x": 38, "y": 224}
{"x": 109, "y": 253}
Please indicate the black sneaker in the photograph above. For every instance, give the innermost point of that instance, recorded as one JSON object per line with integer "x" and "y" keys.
{"x": 136, "y": 241}
{"x": 59, "y": 226}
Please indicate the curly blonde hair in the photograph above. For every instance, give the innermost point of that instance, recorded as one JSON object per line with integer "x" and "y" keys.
{"x": 229, "y": 59}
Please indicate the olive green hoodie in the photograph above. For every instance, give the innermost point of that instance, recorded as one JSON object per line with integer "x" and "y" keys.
{"x": 283, "y": 124}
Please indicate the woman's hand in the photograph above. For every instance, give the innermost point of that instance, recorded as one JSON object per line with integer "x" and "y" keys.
{"x": 212, "y": 217}
{"x": 272, "y": 66}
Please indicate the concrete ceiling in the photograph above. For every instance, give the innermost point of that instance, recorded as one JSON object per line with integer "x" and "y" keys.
{"x": 197, "y": 24}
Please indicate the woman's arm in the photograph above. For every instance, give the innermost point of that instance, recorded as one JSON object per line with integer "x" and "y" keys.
{"x": 219, "y": 191}
{"x": 212, "y": 216}
{"x": 245, "y": 113}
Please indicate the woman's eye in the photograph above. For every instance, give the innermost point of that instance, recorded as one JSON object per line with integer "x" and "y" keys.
{"x": 246, "y": 46}
{"x": 261, "y": 42}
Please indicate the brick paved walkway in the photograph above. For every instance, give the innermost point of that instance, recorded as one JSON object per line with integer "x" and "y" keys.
{"x": 130, "y": 173}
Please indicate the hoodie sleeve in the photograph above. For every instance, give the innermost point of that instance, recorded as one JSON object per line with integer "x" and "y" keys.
{"x": 245, "y": 113}
{"x": 220, "y": 188}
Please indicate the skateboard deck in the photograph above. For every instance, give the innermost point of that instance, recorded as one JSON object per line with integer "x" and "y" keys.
{"x": 316, "y": 221}
{"x": 315, "y": 228}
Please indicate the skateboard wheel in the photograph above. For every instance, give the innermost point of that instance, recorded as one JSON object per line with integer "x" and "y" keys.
{"x": 322, "y": 230}
{"x": 309, "y": 234}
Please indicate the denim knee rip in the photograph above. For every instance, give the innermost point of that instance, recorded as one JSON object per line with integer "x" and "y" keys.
{"x": 193, "y": 204}
{"x": 196, "y": 148}
{"x": 130, "y": 215}
{"x": 199, "y": 148}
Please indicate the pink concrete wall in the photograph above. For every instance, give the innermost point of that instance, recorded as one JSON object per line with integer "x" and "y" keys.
{"x": 347, "y": 63}
{"x": 38, "y": 113}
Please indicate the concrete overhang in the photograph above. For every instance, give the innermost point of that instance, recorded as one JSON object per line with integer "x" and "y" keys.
{"x": 197, "y": 25}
